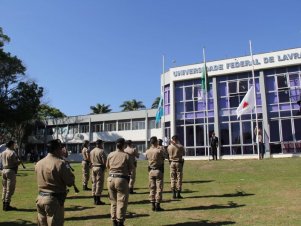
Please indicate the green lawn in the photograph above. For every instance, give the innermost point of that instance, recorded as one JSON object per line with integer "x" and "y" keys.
{"x": 238, "y": 192}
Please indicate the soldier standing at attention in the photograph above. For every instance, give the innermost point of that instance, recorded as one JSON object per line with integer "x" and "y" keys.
{"x": 120, "y": 166}
{"x": 133, "y": 153}
{"x": 10, "y": 164}
{"x": 155, "y": 156}
{"x": 53, "y": 176}
{"x": 176, "y": 152}
{"x": 86, "y": 165}
{"x": 98, "y": 161}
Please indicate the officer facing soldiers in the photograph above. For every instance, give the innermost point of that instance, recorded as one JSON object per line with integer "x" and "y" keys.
{"x": 155, "y": 156}
{"x": 120, "y": 166}
{"x": 133, "y": 153}
{"x": 86, "y": 165}
{"x": 176, "y": 152}
{"x": 53, "y": 176}
{"x": 10, "y": 164}
{"x": 98, "y": 161}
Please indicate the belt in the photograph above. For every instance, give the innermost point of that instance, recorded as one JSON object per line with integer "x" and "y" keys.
{"x": 41, "y": 193}
{"x": 118, "y": 176}
{"x": 154, "y": 168}
{"x": 97, "y": 165}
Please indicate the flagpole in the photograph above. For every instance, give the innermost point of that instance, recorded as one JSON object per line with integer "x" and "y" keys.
{"x": 163, "y": 97}
{"x": 206, "y": 111}
{"x": 256, "y": 118}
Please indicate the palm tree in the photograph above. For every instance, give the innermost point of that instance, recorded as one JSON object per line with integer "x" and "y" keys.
{"x": 100, "y": 109}
{"x": 132, "y": 105}
{"x": 156, "y": 102}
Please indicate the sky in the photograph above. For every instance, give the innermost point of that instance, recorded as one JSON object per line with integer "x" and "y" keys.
{"x": 110, "y": 51}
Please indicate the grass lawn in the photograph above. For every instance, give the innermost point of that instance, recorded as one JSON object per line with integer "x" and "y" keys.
{"x": 238, "y": 192}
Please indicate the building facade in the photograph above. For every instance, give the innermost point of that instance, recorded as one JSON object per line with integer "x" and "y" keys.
{"x": 193, "y": 118}
{"x": 137, "y": 126}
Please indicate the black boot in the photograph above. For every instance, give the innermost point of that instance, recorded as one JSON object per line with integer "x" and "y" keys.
{"x": 3, "y": 206}
{"x": 7, "y": 207}
{"x": 98, "y": 202}
{"x": 132, "y": 191}
{"x": 120, "y": 223}
{"x": 174, "y": 194}
{"x": 115, "y": 223}
{"x": 153, "y": 206}
{"x": 95, "y": 200}
{"x": 179, "y": 195}
{"x": 85, "y": 188}
{"x": 158, "y": 208}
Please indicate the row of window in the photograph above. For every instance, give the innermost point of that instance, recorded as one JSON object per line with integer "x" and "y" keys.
{"x": 100, "y": 127}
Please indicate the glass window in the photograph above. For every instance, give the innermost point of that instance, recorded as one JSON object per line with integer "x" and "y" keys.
{"x": 286, "y": 130}
{"x": 189, "y": 136}
{"x": 234, "y": 101}
{"x": 235, "y": 130}
{"x": 284, "y": 96}
{"x": 222, "y": 89}
{"x": 297, "y": 123}
{"x": 272, "y": 98}
{"x": 179, "y": 107}
{"x": 199, "y": 130}
{"x": 124, "y": 125}
{"x": 110, "y": 126}
{"x": 137, "y": 125}
{"x": 84, "y": 128}
{"x": 243, "y": 86}
{"x": 73, "y": 129}
{"x": 270, "y": 83}
{"x": 188, "y": 93}
{"x": 179, "y": 94}
{"x": 294, "y": 80}
{"x": 224, "y": 134}
{"x": 232, "y": 87}
{"x": 189, "y": 106}
{"x": 180, "y": 133}
{"x": 97, "y": 127}
{"x": 282, "y": 81}
{"x": 153, "y": 125}
{"x": 274, "y": 131}
{"x": 247, "y": 132}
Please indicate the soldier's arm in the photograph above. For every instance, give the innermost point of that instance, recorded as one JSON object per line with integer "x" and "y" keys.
{"x": 67, "y": 175}
{"x": 136, "y": 153}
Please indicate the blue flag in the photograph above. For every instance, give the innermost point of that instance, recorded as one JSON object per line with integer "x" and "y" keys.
{"x": 159, "y": 111}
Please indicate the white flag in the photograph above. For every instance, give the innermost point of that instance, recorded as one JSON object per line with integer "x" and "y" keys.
{"x": 247, "y": 104}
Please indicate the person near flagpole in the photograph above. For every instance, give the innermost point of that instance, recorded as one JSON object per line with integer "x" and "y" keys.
{"x": 213, "y": 144}
{"x": 259, "y": 139}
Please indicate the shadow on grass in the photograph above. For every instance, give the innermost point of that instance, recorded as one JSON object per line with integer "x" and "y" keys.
{"x": 186, "y": 191}
{"x": 203, "y": 222}
{"x": 22, "y": 174}
{"x": 193, "y": 181}
{"x": 148, "y": 202}
{"x": 17, "y": 223}
{"x": 229, "y": 206}
{"x": 231, "y": 195}
{"x": 135, "y": 215}
{"x": 91, "y": 217}
{"x": 95, "y": 217}
{"x": 77, "y": 208}
{"x": 26, "y": 210}
{"x": 79, "y": 197}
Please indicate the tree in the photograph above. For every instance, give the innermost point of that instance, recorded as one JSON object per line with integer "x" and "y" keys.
{"x": 45, "y": 111}
{"x": 100, "y": 109}
{"x": 132, "y": 105}
{"x": 156, "y": 102}
{"x": 19, "y": 98}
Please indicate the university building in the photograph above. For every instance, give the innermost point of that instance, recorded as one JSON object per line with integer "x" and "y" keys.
{"x": 193, "y": 118}
{"x": 277, "y": 85}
